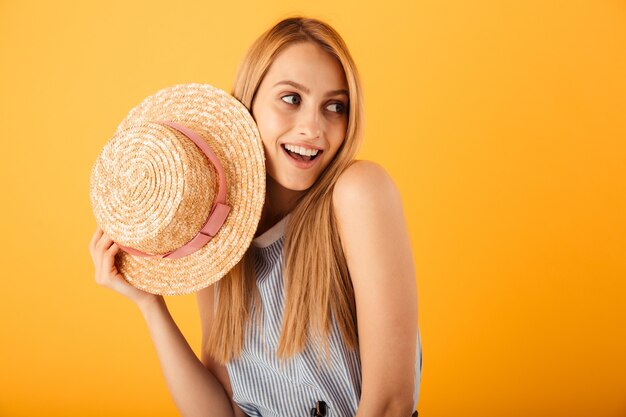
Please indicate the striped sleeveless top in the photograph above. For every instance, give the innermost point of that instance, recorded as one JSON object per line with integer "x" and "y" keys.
{"x": 264, "y": 386}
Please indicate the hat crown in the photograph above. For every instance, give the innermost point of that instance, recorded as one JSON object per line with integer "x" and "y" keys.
{"x": 158, "y": 191}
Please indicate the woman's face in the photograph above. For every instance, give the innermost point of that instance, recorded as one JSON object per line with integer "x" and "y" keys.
{"x": 301, "y": 107}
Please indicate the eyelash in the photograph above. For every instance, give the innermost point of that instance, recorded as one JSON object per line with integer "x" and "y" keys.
{"x": 343, "y": 107}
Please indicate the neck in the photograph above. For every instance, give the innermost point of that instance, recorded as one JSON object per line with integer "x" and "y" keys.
{"x": 279, "y": 201}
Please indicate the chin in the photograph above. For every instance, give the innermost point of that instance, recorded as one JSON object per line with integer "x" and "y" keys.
{"x": 294, "y": 184}
{"x": 297, "y": 185}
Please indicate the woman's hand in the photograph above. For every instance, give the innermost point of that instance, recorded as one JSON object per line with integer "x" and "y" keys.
{"x": 103, "y": 251}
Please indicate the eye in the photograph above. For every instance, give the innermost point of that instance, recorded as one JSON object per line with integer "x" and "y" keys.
{"x": 291, "y": 99}
{"x": 339, "y": 107}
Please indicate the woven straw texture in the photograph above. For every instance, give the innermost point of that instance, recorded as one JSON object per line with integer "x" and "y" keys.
{"x": 152, "y": 188}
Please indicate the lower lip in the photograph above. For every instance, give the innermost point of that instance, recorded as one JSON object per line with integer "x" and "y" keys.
{"x": 302, "y": 164}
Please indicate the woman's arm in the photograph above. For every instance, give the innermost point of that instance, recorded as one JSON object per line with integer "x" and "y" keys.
{"x": 376, "y": 243}
{"x": 195, "y": 390}
{"x": 206, "y": 299}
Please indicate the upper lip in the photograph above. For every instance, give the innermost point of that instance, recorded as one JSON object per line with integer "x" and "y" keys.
{"x": 304, "y": 145}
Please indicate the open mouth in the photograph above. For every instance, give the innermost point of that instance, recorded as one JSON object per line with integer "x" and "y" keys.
{"x": 298, "y": 157}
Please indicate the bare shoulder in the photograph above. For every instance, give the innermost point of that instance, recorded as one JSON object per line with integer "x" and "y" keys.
{"x": 364, "y": 183}
{"x": 369, "y": 213}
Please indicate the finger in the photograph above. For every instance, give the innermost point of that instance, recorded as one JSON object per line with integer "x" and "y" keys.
{"x": 94, "y": 239}
{"x": 108, "y": 263}
{"x": 105, "y": 272}
{"x": 113, "y": 249}
{"x": 104, "y": 243}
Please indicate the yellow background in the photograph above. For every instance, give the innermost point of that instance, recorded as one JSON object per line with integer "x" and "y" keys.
{"x": 503, "y": 124}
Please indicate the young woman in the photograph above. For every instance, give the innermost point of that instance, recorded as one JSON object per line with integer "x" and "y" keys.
{"x": 321, "y": 312}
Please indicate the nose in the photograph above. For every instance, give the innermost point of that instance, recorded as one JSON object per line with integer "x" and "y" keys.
{"x": 309, "y": 124}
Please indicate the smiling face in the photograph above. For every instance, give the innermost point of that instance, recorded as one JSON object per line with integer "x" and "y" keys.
{"x": 301, "y": 110}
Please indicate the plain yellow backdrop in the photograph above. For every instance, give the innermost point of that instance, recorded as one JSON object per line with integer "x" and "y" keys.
{"x": 503, "y": 124}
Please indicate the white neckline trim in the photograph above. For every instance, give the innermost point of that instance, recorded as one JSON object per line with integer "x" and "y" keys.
{"x": 272, "y": 234}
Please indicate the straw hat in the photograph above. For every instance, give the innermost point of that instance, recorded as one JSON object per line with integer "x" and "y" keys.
{"x": 187, "y": 159}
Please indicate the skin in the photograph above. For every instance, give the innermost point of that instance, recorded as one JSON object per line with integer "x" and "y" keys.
{"x": 373, "y": 234}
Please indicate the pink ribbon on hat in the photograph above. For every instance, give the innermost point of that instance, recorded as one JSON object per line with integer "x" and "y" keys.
{"x": 218, "y": 213}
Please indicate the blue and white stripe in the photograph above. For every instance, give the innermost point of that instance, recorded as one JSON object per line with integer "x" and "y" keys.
{"x": 262, "y": 385}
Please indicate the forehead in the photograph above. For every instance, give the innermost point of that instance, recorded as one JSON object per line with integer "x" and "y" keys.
{"x": 308, "y": 64}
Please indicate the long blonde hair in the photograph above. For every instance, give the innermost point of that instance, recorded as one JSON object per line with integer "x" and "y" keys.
{"x": 318, "y": 286}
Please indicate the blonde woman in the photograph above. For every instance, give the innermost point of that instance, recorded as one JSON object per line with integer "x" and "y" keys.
{"x": 320, "y": 315}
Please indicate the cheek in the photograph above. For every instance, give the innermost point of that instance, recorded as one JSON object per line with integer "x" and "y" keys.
{"x": 337, "y": 134}
{"x": 271, "y": 125}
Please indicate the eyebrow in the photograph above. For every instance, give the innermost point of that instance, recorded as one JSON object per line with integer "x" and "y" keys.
{"x": 307, "y": 91}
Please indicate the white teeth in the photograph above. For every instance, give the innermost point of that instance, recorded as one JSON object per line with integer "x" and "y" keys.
{"x": 300, "y": 150}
